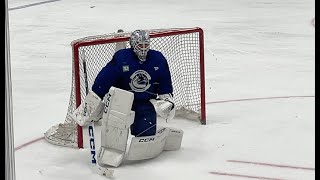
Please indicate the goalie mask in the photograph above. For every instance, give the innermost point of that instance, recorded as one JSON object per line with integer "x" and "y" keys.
{"x": 140, "y": 42}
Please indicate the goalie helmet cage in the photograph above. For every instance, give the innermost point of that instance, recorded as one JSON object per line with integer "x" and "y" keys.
{"x": 184, "y": 51}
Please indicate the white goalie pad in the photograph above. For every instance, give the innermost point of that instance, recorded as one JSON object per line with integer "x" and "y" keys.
{"x": 151, "y": 146}
{"x": 89, "y": 110}
{"x": 116, "y": 120}
{"x": 148, "y": 146}
{"x": 174, "y": 139}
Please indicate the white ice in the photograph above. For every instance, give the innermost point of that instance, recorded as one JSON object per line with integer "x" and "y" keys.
{"x": 253, "y": 49}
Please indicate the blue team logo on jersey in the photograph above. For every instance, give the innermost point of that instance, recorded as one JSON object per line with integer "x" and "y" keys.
{"x": 140, "y": 81}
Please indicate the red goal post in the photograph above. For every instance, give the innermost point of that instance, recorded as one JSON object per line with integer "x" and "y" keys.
{"x": 184, "y": 50}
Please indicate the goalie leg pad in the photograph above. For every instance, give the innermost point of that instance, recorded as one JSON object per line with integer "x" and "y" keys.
{"x": 116, "y": 121}
{"x": 174, "y": 139}
{"x": 148, "y": 146}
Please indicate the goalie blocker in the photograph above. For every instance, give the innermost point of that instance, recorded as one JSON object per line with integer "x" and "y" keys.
{"x": 117, "y": 118}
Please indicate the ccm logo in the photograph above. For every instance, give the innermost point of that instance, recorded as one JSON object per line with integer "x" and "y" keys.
{"x": 178, "y": 132}
{"x": 146, "y": 139}
{"x": 161, "y": 130}
{"x": 92, "y": 146}
{"x": 107, "y": 99}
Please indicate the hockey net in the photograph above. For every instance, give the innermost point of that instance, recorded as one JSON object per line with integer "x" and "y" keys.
{"x": 184, "y": 50}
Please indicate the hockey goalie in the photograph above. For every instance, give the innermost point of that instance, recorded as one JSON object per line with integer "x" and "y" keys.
{"x": 127, "y": 95}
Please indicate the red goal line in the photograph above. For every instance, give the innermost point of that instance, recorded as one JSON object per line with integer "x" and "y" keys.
{"x": 272, "y": 165}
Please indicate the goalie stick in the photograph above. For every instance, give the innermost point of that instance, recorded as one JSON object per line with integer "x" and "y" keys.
{"x": 96, "y": 168}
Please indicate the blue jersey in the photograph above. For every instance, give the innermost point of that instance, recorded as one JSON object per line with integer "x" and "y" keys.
{"x": 146, "y": 80}
{"x": 125, "y": 71}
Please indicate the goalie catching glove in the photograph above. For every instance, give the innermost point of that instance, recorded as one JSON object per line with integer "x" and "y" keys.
{"x": 164, "y": 106}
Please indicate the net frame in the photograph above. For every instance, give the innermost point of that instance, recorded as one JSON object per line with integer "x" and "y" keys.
{"x": 63, "y": 133}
